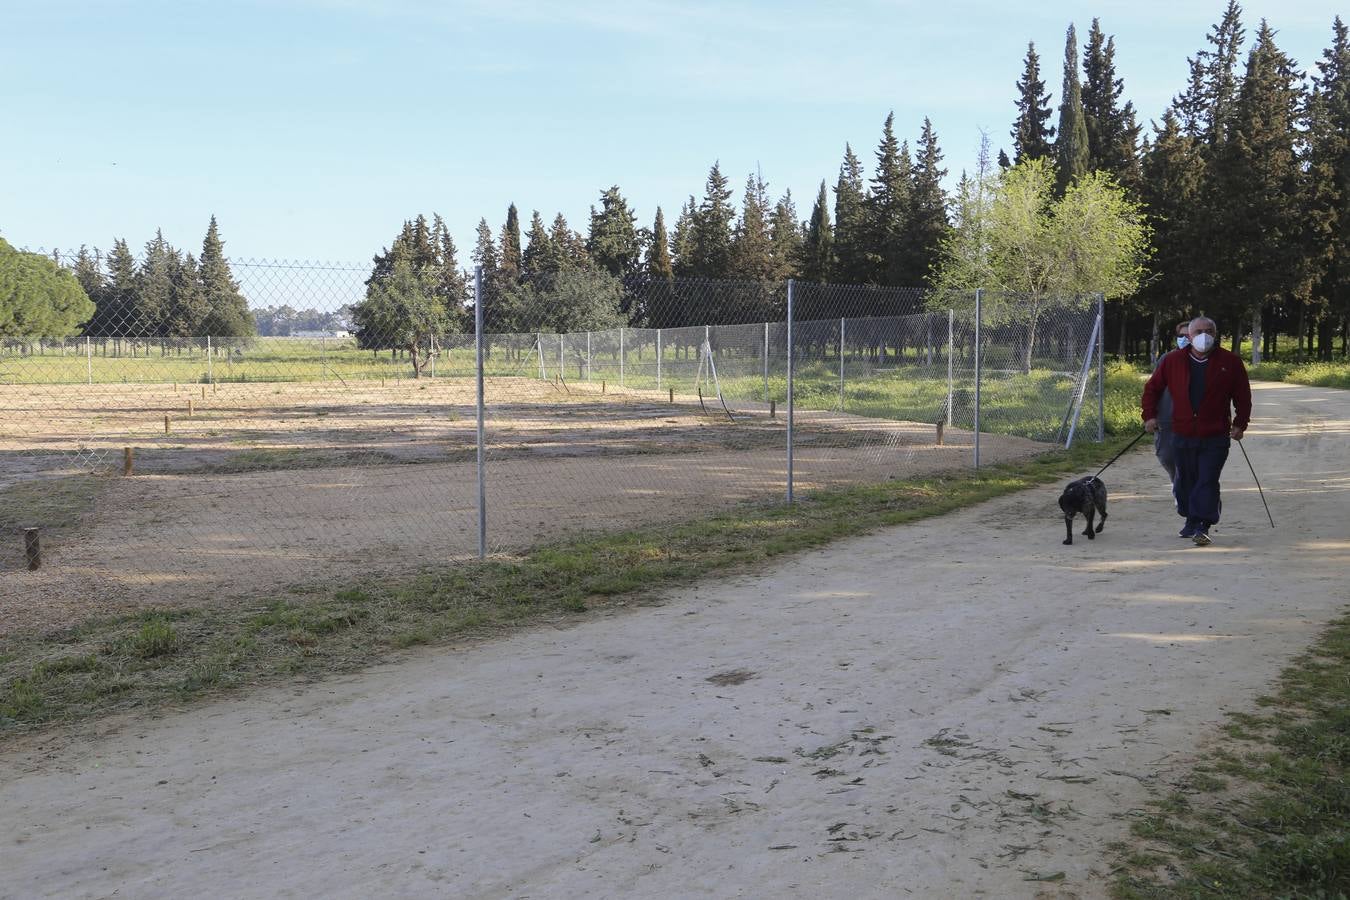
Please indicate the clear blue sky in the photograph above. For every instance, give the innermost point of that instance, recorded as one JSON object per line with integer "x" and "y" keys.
{"x": 313, "y": 128}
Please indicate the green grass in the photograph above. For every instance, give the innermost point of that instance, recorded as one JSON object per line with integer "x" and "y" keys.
{"x": 170, "y": 655}
{"x": 1267, "y": 812}
{"x": 1313, "y": 374}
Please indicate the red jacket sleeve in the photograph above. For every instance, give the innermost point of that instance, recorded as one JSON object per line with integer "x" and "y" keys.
{"x": 1153, "y": 389}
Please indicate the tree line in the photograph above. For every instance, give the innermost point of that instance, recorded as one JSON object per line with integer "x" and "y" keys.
{"x": 1236, "y": 205}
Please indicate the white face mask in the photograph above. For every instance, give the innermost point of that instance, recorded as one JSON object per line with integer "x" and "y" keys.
{"x": 1183, "y": 342}
{"x": 1203, "y": 342}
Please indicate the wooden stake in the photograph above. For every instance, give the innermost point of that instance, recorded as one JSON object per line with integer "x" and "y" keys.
{"x": 166, "y": 423}
{"x": 32, "y": 549}
{"x": 773, "y": 409}
{"x": 939, "y": 433}
{"x": 203, "y": 392}
{"x": 128, "y": 461}
{"x": 189, "y": 407}
{"x": 175, "y": 387}
{"x": 215, "y": 388}
{"x": 672, "y": 395}
{"x": 602, "y": 385}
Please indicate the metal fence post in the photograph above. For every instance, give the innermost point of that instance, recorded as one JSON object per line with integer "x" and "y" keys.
{"x": 89, "y": 359}
{"x": 951, "y": 350}
{"x": 658, "y": 359}
{"x": 478, "y": 352}
{"x": 979, "y": 296}
{"x": 791, "y": 360}
{"x": 1101, "y": 369}
{"x": 588, "y": 356}
{"x": 841, "y": 364}
{"x": 209, "y": 353}
{"x": 766, "y": 362}
{"x": 562, "y": 373}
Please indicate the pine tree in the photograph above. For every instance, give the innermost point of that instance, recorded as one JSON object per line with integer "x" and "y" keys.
{"x": 710, "y": 245}
{"x": 929, "y": 224}
{"x": 612, "y": 244}
{"x": 226, "y": 312}
{"x": 509, "y": 266}
{"x": 682, "y": 241}
{"x": 1207, "y": 103}
{"x": 154, "y": 287}
{"x": 1071, "y": 146}
{"x": 888, "y": 209}
{"x": 539, "y": 257}
{"x": 850, "y": 223}
{"x": 1112, "y": 129}
{"x": 1327, "y": 228}
{"x": 1032, "y": 136}
{"x": 118, "y": 311}
{"x": 785, "y": 238}
{"x": 817, "y": 257}
{"x": 88, "y": 271}
{"x": 569, "y": 246}
{"x": 751, "y": 252}
{"x": 662, "y": 304}
{"x": 1257, "y": 175}
{"x": 1173, "y": 175}
{"x": 485, "y": 254}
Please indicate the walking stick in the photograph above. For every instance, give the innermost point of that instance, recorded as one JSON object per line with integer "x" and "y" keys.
{"x": 1258, "y": 483}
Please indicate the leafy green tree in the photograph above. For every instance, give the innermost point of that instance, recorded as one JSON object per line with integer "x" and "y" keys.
{"x": 405, "y": 310}
{"x": 817, "y": 257}
{"x": 612, "y": 244}
{"x": 38, "y": 298}
{"x": 1071, "y": 145}
{"x": 225, "y": 312}
{"x": 1032, "y": 135}
{"x": 851, "y": 264}
{"x": 1034, "y": 251}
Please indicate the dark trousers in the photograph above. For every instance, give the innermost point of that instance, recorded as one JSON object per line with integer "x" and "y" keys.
{"x": 1199, "y": 463}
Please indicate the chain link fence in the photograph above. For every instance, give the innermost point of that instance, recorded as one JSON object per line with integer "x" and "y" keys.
{"x": 319, "y": 450}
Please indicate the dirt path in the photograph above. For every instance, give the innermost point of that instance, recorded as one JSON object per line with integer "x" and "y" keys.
{"x": 942, "y": 710}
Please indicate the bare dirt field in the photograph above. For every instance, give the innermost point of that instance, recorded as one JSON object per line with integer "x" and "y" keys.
{"x": 961, "y": 707}
{"x": 268, "y": 486}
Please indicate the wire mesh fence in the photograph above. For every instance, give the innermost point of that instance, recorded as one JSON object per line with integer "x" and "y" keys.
{"x": 312, "y": 447}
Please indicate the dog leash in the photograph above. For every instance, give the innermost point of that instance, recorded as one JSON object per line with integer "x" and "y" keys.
{"x": 1122, "y": 453}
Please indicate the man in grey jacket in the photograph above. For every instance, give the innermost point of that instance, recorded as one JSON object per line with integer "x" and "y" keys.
{"x": 1162, "y": 440}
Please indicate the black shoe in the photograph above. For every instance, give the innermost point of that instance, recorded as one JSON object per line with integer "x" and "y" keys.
{"x": 1201, "y": 538}
{"x": 1187, "y": 532}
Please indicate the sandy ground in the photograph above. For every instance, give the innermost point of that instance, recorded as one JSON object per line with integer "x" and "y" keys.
{"x": 941, "y": 710}
{"x": 391, "y": 486}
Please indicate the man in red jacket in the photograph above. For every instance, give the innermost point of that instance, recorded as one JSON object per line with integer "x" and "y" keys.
{"x": 1211, "y": 404}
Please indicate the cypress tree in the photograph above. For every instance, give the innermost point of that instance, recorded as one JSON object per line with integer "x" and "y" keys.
{"x": 118, "y": 311}
{"x": 1173, "y": 174}
{"x": 1071, "y": 146}
{"x": 1032, "y": 136}
{"x": 682, "y": 241}
{"x": 154, "y": 287}
{"x": 817, "y": 257}
{"x": 658, "y": 251}
{"x": 612, "y": 244}
{"x": 487, "y": 260}
{"x": 569, "y": 246}
{"x": 226, "y": 312}
{"x": 929, "y": 224}
{"x": 850, "y": 223}
{"x": 88, "y": 271}
{"x": 509, "y": 265}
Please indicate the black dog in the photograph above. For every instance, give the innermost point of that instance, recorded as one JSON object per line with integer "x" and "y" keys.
{"x": 1086, "y": 496}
